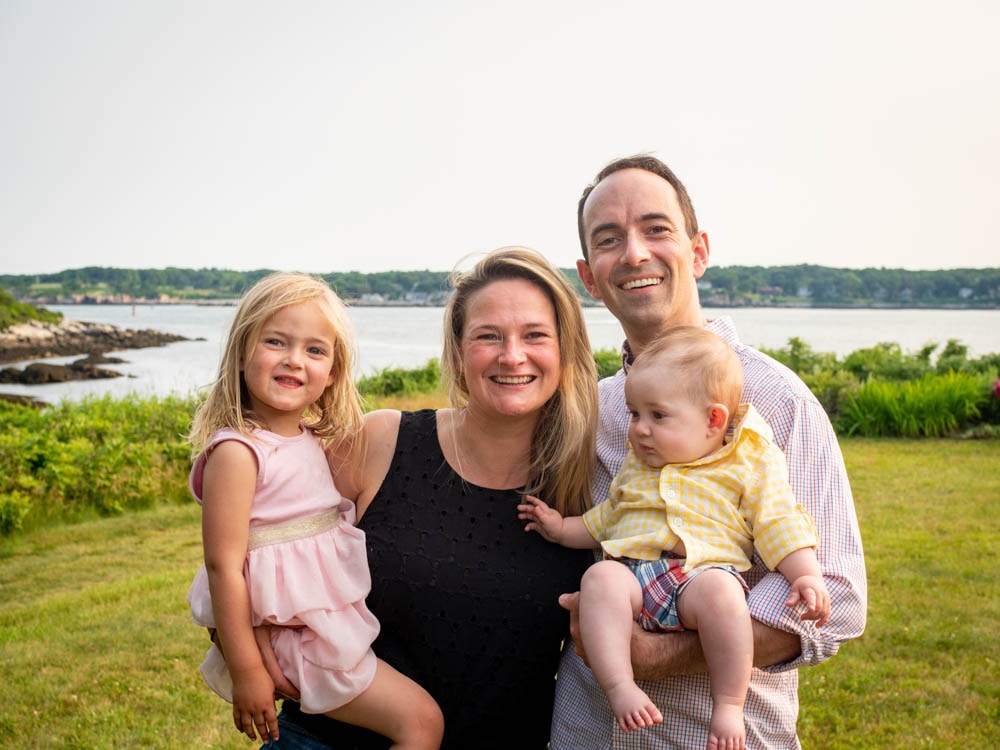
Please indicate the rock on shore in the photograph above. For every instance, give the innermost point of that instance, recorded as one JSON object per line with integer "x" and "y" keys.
{"x": 35, "y": 340}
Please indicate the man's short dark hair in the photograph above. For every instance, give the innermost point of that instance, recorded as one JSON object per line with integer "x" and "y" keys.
{"x": 649, "y": 164}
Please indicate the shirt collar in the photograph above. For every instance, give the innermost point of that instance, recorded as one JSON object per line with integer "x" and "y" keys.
{"x": 722, "y": 327}
{"x": 627, "y": 356}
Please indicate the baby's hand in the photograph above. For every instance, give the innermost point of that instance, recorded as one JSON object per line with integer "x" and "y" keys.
{"x": 541, "y": 518}
{"x": 811, "y": 591}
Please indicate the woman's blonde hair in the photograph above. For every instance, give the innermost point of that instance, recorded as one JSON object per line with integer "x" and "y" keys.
{"x": 563, "y": 448}
{"x": 697, "y": 363}
{"x": 336, "y": 415}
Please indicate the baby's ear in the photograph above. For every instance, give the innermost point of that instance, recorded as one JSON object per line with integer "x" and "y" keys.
{"x": 718, "y": 418}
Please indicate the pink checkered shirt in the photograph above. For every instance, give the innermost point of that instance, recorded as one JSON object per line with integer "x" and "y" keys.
{"x": 582, "y": 719}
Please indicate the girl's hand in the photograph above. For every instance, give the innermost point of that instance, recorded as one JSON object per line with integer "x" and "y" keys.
{"x": 253, "y": 704}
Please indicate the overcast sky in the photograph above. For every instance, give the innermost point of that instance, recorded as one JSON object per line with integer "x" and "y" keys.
{"x": 369, "y": 136}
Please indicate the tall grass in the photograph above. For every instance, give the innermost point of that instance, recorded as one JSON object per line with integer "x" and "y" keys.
{"x": 98, "y": 649}
{"x": 932, "y": 406}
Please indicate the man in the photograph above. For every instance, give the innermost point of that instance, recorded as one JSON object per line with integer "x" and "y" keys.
{"x": 642, "y": 256}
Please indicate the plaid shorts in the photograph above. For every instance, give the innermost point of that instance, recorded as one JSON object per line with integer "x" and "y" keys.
{"x": 662, "y": 582}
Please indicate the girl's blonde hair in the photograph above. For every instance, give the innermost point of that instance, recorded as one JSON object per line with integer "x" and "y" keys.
{"x": 563, "y": 448}
{"x": 697, "y": 363}
{"x": 336, "y": 415}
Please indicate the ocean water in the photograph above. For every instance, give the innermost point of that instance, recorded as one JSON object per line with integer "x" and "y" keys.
{"x": 409, "y": 336}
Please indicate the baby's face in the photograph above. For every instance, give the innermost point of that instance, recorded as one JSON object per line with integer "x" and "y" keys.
{"x": 666, "y": 427}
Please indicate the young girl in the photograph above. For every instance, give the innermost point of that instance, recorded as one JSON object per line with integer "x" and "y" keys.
{"x": 280, "y": 544}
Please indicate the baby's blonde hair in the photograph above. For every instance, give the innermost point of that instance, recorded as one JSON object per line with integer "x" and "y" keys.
{"x": 336, "y": 415}
{"x": 697, "y": 363}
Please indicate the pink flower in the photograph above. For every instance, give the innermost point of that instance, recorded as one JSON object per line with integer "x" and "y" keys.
{"x": 996, "y": 388}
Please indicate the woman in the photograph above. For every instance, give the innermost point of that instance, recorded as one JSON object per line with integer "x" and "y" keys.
{"x": 466, "y": 600}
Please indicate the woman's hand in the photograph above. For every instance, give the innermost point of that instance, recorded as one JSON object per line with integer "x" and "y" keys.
{"x": 282, "y": 687}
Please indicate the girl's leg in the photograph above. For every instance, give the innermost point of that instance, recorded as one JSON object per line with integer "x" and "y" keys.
{"x": 610, "y": 601}
{"x": 714, "y": 604}
{"x": 398, "y": 708}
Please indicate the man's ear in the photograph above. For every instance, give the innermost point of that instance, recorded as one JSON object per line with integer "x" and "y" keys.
{"x": 718, "y": 419}
{"x": 586, "y": 275}
{"x": 699, "y": 246}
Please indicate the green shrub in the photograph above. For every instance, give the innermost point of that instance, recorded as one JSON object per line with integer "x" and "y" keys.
{"x": 400, "y": 382}
{"x": 933, "y": 406}
{"x": 608, "y": 361}
{"x": 990, "y": 409}
{"x": 100, "y": 456}
{"x": 799, "y": 357}
{"x": 833, "y": 388}
{"x": 13, "y": 312}
{"x": 14, "y": 506}
{"x": 886, "y": 361}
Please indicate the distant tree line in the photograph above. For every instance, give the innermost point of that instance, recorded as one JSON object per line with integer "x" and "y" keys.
{"x": 806, "y": 285}
{"x": 821, "y": 286}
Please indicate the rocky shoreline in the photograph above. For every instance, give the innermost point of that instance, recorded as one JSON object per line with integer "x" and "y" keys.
{"x": 36, "y": 340}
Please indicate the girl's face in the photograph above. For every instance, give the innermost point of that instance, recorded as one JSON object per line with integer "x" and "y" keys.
{"x": 510, "y": 349}
{"x": 291, "y": 365}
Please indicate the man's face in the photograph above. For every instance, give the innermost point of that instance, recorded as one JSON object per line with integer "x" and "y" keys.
{"x": 643, "y": 265}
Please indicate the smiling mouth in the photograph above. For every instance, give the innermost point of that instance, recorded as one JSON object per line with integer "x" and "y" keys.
{"x": 511, "y": 380}
{"x": 287, "y": 381}
{"x": 640, "y": 283}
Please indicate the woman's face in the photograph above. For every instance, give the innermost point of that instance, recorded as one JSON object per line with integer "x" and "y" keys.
{"x": 510, "y": 349}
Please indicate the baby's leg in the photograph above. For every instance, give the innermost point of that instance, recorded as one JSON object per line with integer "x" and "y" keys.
{"x": 398, "y": 708}
{"x": 610, "y": 601}
{"x": 714, "y": 604}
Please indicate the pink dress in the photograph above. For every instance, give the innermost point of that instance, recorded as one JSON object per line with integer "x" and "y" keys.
{"x": 306, "y": 569}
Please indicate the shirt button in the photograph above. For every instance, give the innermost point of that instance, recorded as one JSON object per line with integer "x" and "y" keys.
{"x": 672, "y": 494}
{"x": 678, "y": 521}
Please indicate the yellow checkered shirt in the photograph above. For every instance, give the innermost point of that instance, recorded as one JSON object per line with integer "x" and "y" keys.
{"x": 721, "y": 506}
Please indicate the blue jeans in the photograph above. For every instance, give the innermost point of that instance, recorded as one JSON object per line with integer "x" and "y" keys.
{"x": 295, "y": 737}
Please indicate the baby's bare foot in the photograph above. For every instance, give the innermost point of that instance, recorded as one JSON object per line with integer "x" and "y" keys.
{"x": 726, "y": 731}
{"x": 632, "y": 707}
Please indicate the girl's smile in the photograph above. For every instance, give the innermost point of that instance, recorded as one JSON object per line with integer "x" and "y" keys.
{"x": 291, "y": 364}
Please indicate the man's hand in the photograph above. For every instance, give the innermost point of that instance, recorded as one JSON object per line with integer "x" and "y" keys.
{"x": 571, "y": 602}
{"x": 654, "y": 655}
{"x": 282, "y": 687}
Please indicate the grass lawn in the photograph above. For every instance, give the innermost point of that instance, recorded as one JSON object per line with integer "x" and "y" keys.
{"x": 98, "y": 650}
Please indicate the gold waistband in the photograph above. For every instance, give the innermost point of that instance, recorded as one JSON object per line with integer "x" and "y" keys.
{"x": 297, "y": 528}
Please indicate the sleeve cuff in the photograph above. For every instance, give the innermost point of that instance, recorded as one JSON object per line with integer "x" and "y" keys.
{"x": 767, "y": 605}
